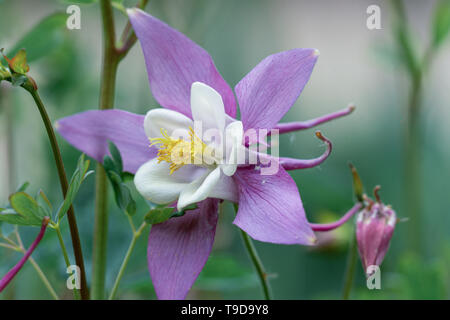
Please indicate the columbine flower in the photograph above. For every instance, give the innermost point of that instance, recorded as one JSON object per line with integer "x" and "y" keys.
{"x": 184, "y": 80}
{"x": 375, "y": 226}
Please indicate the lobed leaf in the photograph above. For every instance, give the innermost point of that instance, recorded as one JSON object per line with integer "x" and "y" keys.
{"x": 114, "y": 170}
{"x": 80, "y": 174}
{"x": 24, "y": 210}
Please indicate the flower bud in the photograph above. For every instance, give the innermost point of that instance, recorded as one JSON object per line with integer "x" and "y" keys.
{"x": 374, "y": 228}
{"x": 4, "y": 72}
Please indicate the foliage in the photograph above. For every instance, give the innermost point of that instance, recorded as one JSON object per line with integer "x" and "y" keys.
{"x": 26, "y": 210}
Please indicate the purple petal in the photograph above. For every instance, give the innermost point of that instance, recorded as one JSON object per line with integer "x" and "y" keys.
{"x": 90, "y": 132}
{"x": 179, "y": 248}
{"x": 323, "y": 227}
{"x": 295, "y": 164}
{"x": 270, "y": 208}
{"x": 302, "y": 125}
{"x": 13, "y": 272}
{"x": 370, "y": 235}
{"x": 271, "y": 88}
{"x": 174, "y": 62}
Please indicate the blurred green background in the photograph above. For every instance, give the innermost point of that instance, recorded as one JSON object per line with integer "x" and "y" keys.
{"x": 356, "y": 65}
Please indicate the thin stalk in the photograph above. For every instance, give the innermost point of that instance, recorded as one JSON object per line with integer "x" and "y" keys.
{"x": 12, "y": 243}
{"x": 63, "y": 246}
{"x": 12, "y": 273}
{"x": 107, "y": 93}
{"x": 7, "y": 246}
{"x": 412, "y": 170}
{"x": 44, "y": 278}
{"x": 413, "y": 196}
{"x": 20, "y": 248}
{"x": 128, "y": 38}
{"x": 350, "y": 269}
{"x": 136, "y": 235}
{"x": 76, "y": 292}
{"x": 111, "y": 58}
{"x": 257, "y": 263}
{"x": 76, "y": 243}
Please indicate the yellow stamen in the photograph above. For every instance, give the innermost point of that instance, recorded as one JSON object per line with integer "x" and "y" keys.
{"x": 178, "y": 152}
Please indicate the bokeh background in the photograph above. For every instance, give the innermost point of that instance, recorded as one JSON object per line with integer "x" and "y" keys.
{"x": 356, "y": 65}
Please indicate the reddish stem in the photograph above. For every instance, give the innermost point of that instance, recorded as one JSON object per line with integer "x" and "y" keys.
{"x": 13, "y": 272}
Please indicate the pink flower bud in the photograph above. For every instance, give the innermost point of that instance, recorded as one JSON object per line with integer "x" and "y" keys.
{"x": 374, "y": 228}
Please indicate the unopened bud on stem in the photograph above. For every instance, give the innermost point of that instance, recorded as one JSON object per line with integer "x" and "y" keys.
{"x": 374, "y": 228}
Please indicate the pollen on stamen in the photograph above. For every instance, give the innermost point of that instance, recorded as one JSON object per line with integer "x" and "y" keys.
{"x": 178, "y": 152}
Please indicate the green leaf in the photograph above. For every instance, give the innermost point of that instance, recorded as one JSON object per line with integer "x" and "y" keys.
{"x": 114, "y": 166}
{"x": 116, "y": 157}
{"x": 25, "y": 211}
{"x": 441, "y": 22}
{"x": 109, "y": 165}
{"x": 158, "y": 215}
{"x": 80, "y": 174}
{"x": 358, "y": 187}
{"x": 23, "y": 187}
{"x": 163, "y": 213}
{"x": 44, "y": 37}
{"x": 45, "y": 207}
{"x": 18, "y": 63}
{"x": 122, "y": 194}
{"x": 127, "y": 176}
{"x": 25, "y": 205}
{"x": 185, "y": 209}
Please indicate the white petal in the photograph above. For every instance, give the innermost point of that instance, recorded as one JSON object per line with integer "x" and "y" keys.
{"x": 234, "y": 135}
{"x": 226, "y": 189}
{"x": 199, "y": 189}
{"x": 157, "y": 119}
{"x": 154, "y": 182}
{"x": 207, "y": 107}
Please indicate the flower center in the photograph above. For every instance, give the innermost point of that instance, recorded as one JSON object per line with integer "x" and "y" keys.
{"x": 179, "y": 152}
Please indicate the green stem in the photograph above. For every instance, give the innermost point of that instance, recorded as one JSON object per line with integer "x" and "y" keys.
{"x": 62, "y": 245}
{"x": 111, "y": 58}
{"x": 76, "y": 243}
{"x": 66, "y": 256}
{"x": 136, "y": 235}
{"x": 413, "y": 198}
{"x": 107, "y": 93}
{"x": 350, "y": 269}
{"x": 7, "y": 246}
{"x": 43, "y": 278}
{"x": 257, "y": 263}
{"x": 100, "y": 235}
{"x": 412, "y": 170}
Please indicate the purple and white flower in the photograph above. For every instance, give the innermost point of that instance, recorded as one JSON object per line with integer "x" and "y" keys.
{"x": 185, "y": 81}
